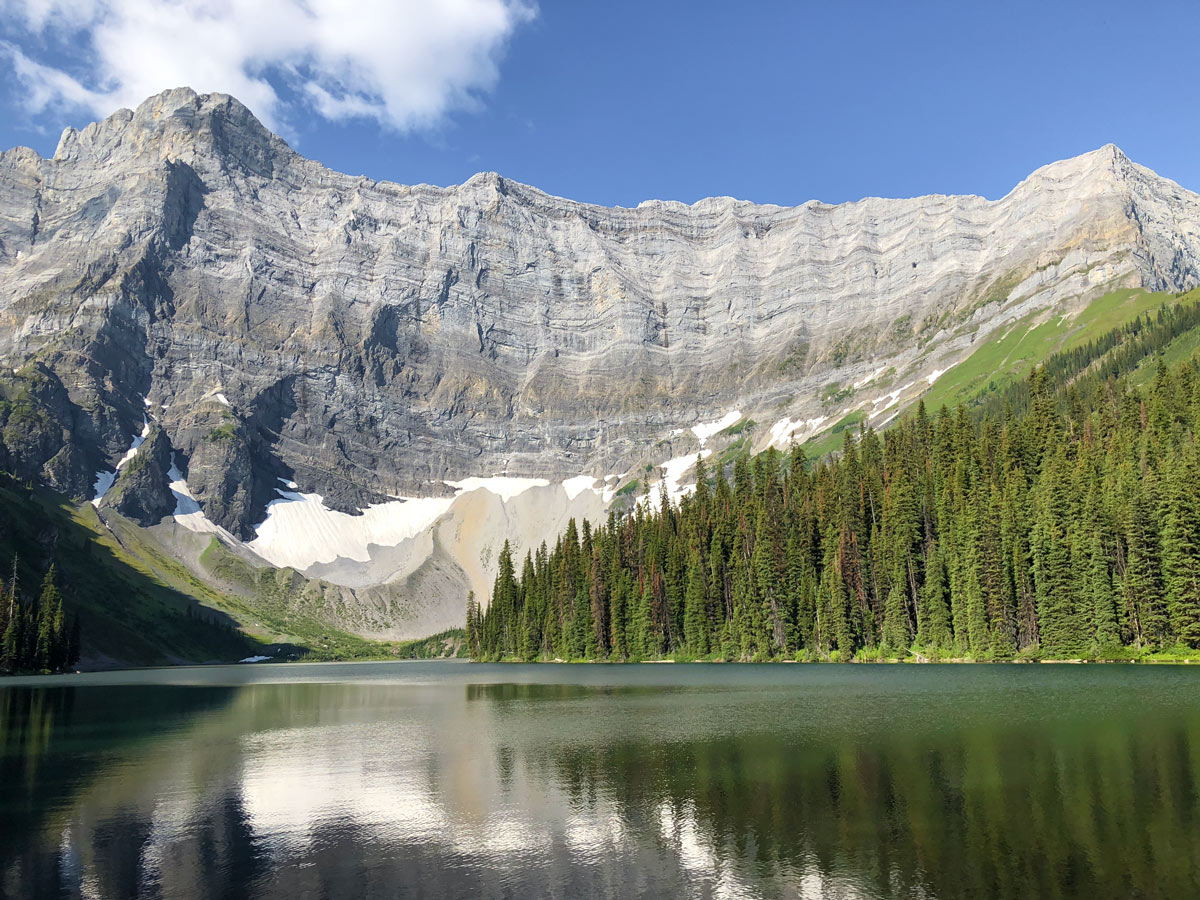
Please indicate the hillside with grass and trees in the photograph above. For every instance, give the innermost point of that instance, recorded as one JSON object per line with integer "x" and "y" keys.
{"x": 87, "y": 588}
{"x": 1051, "y": 517}
{"x": 35, "y": 635}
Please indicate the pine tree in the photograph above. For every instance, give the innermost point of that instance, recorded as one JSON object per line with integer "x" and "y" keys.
{"x": 1056, "y": 591}
{"x": 619, "y": 614}
{"x": 472, "y": 626}
{"x": 599, "y": 604}
{"x": 975, "y": 553}
{"x": 1104, "y": 618}
{"x": 504, "y": 598}
{"x": 895, "y": 636}
{"x": 935, "y": 616}
{"x": 768, "y": 580}
{"x": 1143, "y": 575}
{"x": 642, "y": 641}
{"x": 1056, "y": 517}
{"x": 10, "y": 649}
{"x": 1181, "y": 551}
{"x": 696, "y": 625}
{"x": 49, "y": 609}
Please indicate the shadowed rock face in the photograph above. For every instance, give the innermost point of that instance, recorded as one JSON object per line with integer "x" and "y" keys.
{"x": 367, "y": 339}
{"x": 140, "y": 490}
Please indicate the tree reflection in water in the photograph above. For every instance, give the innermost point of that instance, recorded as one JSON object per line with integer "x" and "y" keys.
{"x": 986, "y": 786}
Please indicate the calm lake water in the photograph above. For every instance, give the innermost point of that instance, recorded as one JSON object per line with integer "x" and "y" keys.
{"x": 431, "y": 780}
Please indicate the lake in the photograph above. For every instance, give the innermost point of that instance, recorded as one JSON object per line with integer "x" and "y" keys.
{"x": 445, "y": 779}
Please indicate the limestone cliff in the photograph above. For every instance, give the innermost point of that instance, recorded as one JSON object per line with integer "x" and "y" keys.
{"x": 283, "y": 323}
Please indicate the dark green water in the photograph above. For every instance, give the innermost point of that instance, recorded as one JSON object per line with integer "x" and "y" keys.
{"x": 431, "y": 780}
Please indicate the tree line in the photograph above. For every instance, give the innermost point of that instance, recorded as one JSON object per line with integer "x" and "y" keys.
{"x": 1062, "y": 522}
{"x": 36, "y": 634}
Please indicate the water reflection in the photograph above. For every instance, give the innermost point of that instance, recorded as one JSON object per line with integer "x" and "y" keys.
{"x": 452, "y": 783}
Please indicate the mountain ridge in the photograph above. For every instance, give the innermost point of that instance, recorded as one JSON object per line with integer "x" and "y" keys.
{"x": 211, "y": 103}
{"x": 208, "y": 106}
{"x": 284, "y": 324}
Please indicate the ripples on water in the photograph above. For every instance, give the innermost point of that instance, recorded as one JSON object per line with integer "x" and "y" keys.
{"x": 454, "y": 780}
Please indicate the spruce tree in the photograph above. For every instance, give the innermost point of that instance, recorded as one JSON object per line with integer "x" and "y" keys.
{"x": 10, "y": 648}
{"x": 935, "y": 612}
{"x": 696, "y": 625}
{"x": 1104, "y": 620}
{"x": 1181, "y": 551}
{"x": 1057, "y": 516}
{"x": 895, "y": 637}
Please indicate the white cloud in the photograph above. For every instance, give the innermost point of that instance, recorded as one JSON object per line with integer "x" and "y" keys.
{"x": 403, "y": 63}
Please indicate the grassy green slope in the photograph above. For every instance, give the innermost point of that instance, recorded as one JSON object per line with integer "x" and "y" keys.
{"x": 831, "y": 440}
{"x": 127, "y": 614}
{"x": 140, "y": 606}
{"x": 1008, "y": 355}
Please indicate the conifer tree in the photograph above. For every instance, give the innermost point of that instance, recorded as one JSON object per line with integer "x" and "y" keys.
{"x": 935, "y": 612}
{"x": 1181, "y": 550}
{"x": 895, "y": 636}
{"x": 10, "y": 648}
{"x": 696, "y": 625}
{"x": 472, "y": 625}
{"x": 1100, "y": 587}
{"x": 1055, "y": 517}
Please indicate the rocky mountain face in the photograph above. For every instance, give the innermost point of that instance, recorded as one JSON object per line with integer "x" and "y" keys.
{"x": 275, "y": 323}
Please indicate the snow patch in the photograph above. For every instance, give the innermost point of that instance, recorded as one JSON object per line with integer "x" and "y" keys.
{"x": 188, "y": 513}
{"x": 254, "y": 659}
{"x": 784, "y": 431}
{"x": 865, "y": 381}
{"x": 934, "y": 376}
{"x": 888, "y": 399}
{"x": 300, "y": 531}
{"x": 104, "y": 480}
{"x": 185, "y": 503}
{"x": 705, "y": 430}
{"x": 673, "y": 472}
{"x": 577, "y": 485}
{"x": 502, "y": 486}
{"x": 222, "y": 399}
{"x": 137, "y": 443}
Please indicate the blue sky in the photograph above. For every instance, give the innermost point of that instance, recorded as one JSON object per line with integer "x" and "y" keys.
{"x": 615, "y": 102}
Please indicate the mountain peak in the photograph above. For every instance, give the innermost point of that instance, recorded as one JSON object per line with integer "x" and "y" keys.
{"x": 179, "y": 124}
{"x": 1100, "y": 170}
{"x": 1109, "y": 157}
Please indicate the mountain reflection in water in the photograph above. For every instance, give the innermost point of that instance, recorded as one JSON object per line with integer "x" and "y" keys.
{"x": 446, "y": 780}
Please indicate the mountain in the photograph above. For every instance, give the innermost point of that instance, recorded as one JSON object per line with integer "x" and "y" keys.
{"x": 374, "y": 384}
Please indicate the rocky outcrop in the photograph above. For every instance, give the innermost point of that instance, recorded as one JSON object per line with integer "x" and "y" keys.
{"x": 366, "y": 340}
{"x": 140, "y": 490}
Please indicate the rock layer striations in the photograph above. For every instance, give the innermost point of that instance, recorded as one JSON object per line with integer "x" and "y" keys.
{"x": 368, "y": 340}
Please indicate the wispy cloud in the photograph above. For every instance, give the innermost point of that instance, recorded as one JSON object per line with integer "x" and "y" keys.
{"x": 402, "y": 63}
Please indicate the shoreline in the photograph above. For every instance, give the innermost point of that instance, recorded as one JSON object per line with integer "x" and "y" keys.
{"x": 17, "y": 678}
{"x": 825, "y": 662}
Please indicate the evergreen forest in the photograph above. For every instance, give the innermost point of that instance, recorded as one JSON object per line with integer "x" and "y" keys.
{"x": 36, "y": 636}
{"x": 1056, "y": 517}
